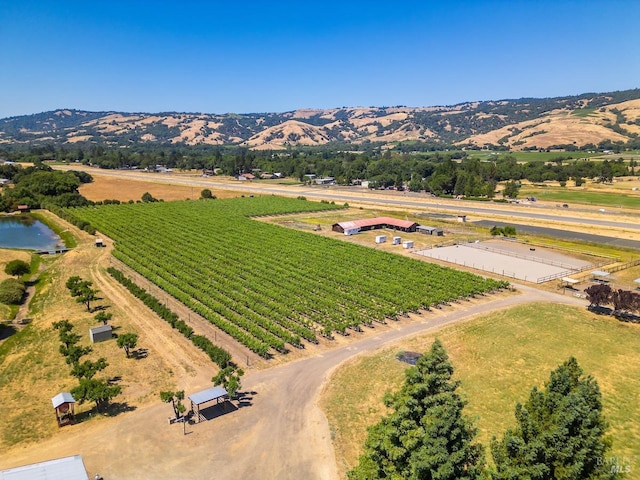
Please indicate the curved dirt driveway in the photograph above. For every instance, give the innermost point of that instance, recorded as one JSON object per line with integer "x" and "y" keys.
{"x": 280, "y": 434}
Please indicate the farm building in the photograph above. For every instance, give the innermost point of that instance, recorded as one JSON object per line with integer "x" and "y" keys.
{"x": 375, "y": 223}
{"x": 100, "y": 334}
{"x": 430, "y": 230}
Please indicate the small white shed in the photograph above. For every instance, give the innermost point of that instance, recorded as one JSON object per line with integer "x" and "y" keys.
{"x": 381, "y": 238}
{"x": 407, "y": 244}
{"x": 396, "y": 241}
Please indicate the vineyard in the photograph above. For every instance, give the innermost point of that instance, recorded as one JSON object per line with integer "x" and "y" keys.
{"x": 265, "y": 285}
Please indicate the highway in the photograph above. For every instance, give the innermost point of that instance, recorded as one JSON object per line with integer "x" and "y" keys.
{"x": 409, "y": 200}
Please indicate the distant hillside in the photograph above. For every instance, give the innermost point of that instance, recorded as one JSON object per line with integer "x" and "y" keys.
{"x": 518, "y": 124}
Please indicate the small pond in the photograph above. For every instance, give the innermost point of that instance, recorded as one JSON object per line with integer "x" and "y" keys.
{"x": 27, "y": 233}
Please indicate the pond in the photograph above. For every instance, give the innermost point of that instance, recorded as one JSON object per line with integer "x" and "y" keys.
{"x": 27, "y": 233}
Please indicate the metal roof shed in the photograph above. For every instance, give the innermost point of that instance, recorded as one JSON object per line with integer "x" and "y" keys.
{"x": 100, "y": 334}
{"x": 67, "y": 468}
{"x": 208, "y": 395}
{"x": 601, "y": 275}
{"x": 63, "y": 404}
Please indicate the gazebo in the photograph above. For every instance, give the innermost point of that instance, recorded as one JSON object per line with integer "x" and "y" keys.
{"x": 208, "y": 395}
{"x": 64, "y": 405}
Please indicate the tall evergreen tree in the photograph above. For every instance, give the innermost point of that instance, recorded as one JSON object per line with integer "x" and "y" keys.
{"x": 426, "y": 436}
{"x": 560, "y": 432}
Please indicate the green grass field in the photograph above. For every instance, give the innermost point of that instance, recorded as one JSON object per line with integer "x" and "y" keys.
{"x": 583, "y": 112}
{"x": 565, "y": 195}
{"x": 499, "y": 358}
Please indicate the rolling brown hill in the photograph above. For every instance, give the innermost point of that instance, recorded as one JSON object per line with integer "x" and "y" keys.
{"x": 517, "y": 124}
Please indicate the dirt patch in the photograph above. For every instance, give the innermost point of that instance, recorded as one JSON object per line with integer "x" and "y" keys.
{"x": 124, "y": 189}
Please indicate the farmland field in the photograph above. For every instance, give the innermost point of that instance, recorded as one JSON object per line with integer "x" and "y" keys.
{"x": 265, "y": 285}
{"x": 582, "y": 196}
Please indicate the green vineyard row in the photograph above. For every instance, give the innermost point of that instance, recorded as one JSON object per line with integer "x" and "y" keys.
{"x": 265, "y": 285}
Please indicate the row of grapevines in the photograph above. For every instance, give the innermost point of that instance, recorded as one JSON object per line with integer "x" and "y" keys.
{"x": 266, "y": 285}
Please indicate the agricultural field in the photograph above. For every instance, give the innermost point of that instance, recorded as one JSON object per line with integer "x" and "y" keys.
{"x": 498, "y": 358}
{"x": 591, "y": 196}
{"x": 268, "y": 286}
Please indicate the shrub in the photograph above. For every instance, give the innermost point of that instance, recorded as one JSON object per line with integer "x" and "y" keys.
{"x": 12, "y": 291}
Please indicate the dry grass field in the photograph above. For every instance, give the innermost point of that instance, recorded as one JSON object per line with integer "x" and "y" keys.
{"x": 124, "y": 189}
{"x": 33, "y": 371}
{"x": 498, "y": 359}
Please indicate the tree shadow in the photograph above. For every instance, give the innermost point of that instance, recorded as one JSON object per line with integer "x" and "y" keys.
{"x": 99, "y": 308}
{"x": 245, "y": 399}
{"x": 116, "y": 408}
{"x": 6, "y": 331}
{"x": 139, "y": 354}
{"x": 113, "y": 409}
{"x": 600, "y": 310}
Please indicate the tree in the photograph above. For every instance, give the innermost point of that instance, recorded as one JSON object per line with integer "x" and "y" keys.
{"x": 148, "y": 198}
{"x": 81, "y": 290}
{"x": 511, "y": 189}
{"x": 127, "y": 341}
{"x": 598, "y": 294}
{"x": 559, "y": 433}
{"x": 426, "y": 436}
{"x": 74, "y": 353}
{"x": 206, "y": 194}
{"x": 12, "y": 291}
{"x": 16, "y": 268}
{"x": 229, "y": 378}
{"x": 103, "y": 317}
{"x": 176, "y": 401}
{"x": 88, "y": 369}
{"x": 98, "y": 391}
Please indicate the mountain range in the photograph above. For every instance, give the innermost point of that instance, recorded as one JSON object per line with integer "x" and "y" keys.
{"x": 525, "y": 123}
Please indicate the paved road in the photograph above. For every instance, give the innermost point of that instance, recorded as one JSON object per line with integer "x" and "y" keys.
{"x": 564, "y": 234}
{"x": 360, "y": 196}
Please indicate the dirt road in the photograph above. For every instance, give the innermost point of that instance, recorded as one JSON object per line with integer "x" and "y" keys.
{"x": 278, "y": 431}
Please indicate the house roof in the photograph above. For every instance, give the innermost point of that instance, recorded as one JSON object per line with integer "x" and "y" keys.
{"x": 62, "y": 397}
{"x": 67, "y": 468}
{"x": 369, "y": 222}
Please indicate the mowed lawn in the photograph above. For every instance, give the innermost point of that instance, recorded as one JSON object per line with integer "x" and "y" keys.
{"x": 498, "y": 359}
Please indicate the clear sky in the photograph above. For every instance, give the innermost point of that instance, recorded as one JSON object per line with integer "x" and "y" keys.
{"x": 246, "y": 56}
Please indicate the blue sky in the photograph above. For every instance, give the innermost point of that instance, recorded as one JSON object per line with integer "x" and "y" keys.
{"x": 220, "y": 57}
